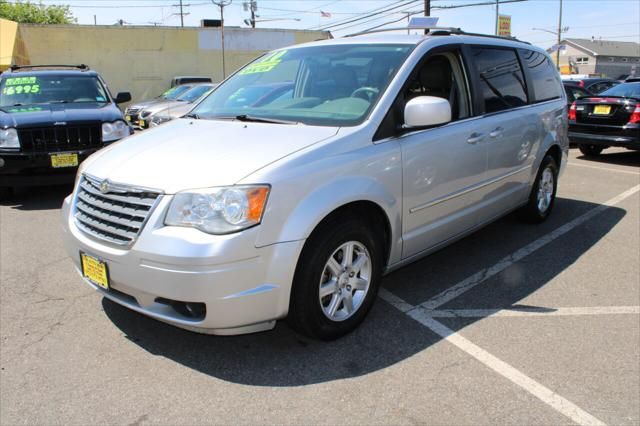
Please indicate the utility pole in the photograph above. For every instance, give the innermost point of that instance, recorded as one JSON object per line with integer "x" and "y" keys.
{"x": 427, "y": 11}
{"x": 497, "y": 17}
{"x": 181, "y": 15}
{"x": 253, "y": 5}
{"x": 559, "y": 37}
{"x": 222, "y": 4}
{"x": 95, "y": 20}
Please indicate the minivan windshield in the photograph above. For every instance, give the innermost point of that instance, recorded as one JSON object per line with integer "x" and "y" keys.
{"x": 627, "y": 90}
{"x": 334, "y": 85}
{"x": 32, "y": 89}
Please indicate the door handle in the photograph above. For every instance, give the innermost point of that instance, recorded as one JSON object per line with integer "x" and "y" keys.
{"x": 496, "y": 132}
{"x": 475, "y": 138}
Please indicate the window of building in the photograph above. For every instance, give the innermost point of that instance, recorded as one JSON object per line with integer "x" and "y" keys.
{"x": 501, "y": 80}
{"x": 583, "y": 60}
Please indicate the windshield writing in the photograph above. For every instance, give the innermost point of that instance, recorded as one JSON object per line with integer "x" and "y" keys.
{"x": 29, "y": 90}
{"x": 334, "y": 85}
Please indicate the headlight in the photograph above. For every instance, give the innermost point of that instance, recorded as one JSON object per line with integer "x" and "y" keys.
{"x": 158, "y": 120}
{"x": 114, "y": 131}
{"x": 219, "y": 210}
{"x": 9, "y": 138}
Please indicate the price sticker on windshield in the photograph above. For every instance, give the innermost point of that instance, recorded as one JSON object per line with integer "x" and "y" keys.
{"x": 21, "y": 85}
{"x": 265, "y": 64}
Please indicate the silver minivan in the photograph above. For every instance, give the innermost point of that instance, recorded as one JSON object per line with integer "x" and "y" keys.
{"x": 314, "y": 170}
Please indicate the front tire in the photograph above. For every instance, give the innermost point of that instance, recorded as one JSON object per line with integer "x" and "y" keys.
{"x": 543, "y": 193}
{"x": 590, "y": 150}
{"x": 336, "y": 279}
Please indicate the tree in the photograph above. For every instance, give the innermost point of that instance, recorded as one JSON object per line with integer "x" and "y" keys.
{"x": 26, "y": 12}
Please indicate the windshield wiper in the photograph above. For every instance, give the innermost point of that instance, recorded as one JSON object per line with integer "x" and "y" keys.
{"x": 192, "y": 115}
{"x": 57, "y": 102}
{"x": 245, "y": 117}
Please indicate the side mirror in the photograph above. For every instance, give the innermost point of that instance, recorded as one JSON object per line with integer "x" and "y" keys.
{"x": 425, "y": 111}
{"x": 122, "y": 97}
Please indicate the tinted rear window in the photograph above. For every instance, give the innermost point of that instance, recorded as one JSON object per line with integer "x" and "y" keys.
{"x": 544, "y": 77}
{"x": 501, "y": 81}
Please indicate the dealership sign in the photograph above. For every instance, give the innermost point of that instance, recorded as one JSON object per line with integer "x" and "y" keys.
{"x": 504, "y": 25}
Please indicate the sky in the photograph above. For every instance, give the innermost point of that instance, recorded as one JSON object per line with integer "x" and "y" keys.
{"x": 605, "y": 19}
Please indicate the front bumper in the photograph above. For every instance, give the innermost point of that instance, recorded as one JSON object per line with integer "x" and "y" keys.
{"x": 30, "y": 169}
{"x": 245, "y": 289}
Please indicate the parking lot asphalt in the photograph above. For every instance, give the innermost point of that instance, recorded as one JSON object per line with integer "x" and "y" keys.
{"x": 535, "y": 324}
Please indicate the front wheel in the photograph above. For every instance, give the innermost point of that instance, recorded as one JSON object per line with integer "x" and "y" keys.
{"x": 543, "y": 193}
{"x": 591, "y": 150}
{"x": 336, "y": 280}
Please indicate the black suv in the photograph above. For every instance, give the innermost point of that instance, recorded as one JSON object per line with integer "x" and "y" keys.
{"x": 51, "y": 118}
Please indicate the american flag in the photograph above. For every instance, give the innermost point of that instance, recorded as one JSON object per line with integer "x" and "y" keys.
{"x": 325, "y": 14}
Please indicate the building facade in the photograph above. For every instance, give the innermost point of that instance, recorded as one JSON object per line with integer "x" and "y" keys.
{"x": 142, "y": 59}
{"x": 612, "y": 59}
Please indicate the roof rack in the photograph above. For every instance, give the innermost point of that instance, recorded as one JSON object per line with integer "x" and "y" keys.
{"x": 82, "y": 67}
{"x": 436, "y": 31}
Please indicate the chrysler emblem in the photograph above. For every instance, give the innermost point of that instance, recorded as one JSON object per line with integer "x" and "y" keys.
{"x": 105, "y": 186}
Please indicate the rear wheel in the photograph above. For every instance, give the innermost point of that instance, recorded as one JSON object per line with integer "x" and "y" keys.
{"x": 336, "y": 280}
{"x": 590, "y": 150}
{"x": 543, "y": 193}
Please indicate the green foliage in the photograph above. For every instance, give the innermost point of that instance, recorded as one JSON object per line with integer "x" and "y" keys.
{"x": 26, "y": 12}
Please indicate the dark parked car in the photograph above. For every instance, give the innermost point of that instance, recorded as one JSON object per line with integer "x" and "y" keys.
{"x": 132, "y": 113}
{"x": 184, "y": 79}
{"x": 611, "y": 118}
{"x": 52, "y": 118}
{"x": 593, "y": 85}
{"x": 574, "y": 92}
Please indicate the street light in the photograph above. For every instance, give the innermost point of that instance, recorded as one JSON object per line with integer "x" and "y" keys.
{"x": 249, "y": 21}
{"x": 222, "y": 4}
{"x": 558, "y": 34}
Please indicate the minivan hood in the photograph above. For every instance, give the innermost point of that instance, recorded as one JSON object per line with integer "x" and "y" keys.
{"x": 187, "y": 154}
{"x": 47, "y": 114}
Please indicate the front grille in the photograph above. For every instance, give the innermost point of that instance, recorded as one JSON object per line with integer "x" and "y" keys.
{"x": 132, "y": 112}
{"x": 60, "y": 138}
{"x": 116, "y": 216}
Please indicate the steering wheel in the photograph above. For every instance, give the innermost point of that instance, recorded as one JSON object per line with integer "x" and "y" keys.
{"x": 366, "y": 93}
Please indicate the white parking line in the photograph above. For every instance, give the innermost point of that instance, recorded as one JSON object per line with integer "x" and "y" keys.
{"x": 534, "y": 312}
{"x": 483, "y": 275}
{"x": 544, "y": 394}
{"x": 609, "y": 169}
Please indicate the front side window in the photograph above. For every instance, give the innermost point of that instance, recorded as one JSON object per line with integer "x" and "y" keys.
{"x": 544, "y": 77}
{"x": 502, "y": 84}
{"x": 28, "y": 89}
{"x": 442, "y": 76}
{"x": 334, "y": 85}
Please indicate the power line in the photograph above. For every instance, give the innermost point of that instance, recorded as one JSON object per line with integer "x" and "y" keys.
{"x": 411, "y": 13}
{"x": 370, "y": 14}
{"x": 344, "y": 20}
